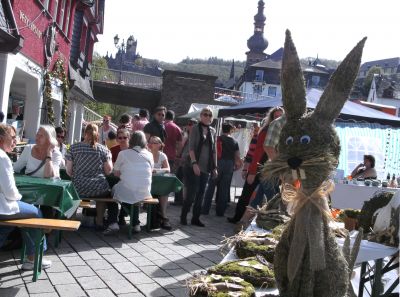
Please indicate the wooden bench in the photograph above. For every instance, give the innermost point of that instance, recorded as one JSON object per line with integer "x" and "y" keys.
{"x": 41, "y": 225}
{"x": 132, "y": 210}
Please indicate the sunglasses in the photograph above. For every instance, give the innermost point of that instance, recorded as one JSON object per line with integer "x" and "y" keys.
{"x": 207, "y": 115}
{"x": 60, "y": 136}
{"x": 122, "y": 137}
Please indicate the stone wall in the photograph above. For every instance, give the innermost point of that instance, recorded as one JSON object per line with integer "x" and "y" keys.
{"x": 181, "y": 89}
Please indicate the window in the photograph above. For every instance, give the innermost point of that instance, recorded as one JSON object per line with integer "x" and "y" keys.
{"x": 358, "y": 146}
{"x": 67, "y": 16}
{"x": 259, "y": 75}
{"x": 84, "y": 33}
{"x": 315, "y": 80}
{"x": 272, "y": 91}
{"x": 388, "y": 93}
{"x": 60, "y": 19}
{"x": 55, "y": 9}
{"x": 257, "y": 89}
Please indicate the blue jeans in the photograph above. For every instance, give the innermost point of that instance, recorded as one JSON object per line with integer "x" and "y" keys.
{"x": 195, "y": 191}
{"x": 223, "y": 182}
{"x": 26, "y": 211}
{"x": 269, "y": 188}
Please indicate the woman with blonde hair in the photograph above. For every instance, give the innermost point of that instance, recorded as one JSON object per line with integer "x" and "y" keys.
{"x": 160, "y": 165}
{"x": 88, "y": 162}
{"x": 42, "y": 159}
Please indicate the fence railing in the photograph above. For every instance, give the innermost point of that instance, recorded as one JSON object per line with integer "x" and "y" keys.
{"x": 237, "y": 97}
{"x": 126, "y": 78}
{"x": 93, "y": 117}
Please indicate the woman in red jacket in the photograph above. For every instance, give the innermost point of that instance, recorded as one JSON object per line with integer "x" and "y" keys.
{"x": 259, "y": 158}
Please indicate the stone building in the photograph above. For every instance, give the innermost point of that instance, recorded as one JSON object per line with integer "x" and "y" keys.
{"x": 181, "y": 89}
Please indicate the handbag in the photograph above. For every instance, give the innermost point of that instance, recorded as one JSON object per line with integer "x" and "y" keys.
{"x": 34, "y": 171}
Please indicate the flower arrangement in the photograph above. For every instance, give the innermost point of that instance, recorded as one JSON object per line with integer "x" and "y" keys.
{"x": 60, "y": 73}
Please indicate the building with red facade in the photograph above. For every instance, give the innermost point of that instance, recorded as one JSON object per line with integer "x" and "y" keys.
{"x": 45, "y": 30}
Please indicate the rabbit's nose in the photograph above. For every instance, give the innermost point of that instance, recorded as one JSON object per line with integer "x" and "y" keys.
{"x": 294, "y": 162}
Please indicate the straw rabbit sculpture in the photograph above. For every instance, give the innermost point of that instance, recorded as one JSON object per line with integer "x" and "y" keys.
{"x": 308, "y": 262}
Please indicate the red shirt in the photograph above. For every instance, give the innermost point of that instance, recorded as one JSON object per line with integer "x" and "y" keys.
{"x": 258, "y": 152}
{"x": 114, "y": 152}
{"x": 174, "y": 135}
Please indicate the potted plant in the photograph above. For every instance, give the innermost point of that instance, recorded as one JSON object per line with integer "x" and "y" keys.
{"x": 350, "y": 218}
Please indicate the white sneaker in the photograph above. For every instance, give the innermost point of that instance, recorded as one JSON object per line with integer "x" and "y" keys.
{"x": 28, "y": 264}
{"x": 111, "y": 229}
{"x": 136, "y": 228}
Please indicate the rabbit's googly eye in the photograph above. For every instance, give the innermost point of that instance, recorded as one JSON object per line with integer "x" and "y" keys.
{"x": 289, "y": 140}
{"x": 305, "y": 139}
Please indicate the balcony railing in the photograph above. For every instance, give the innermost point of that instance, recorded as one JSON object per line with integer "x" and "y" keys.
{"x": 237, "y": 97}
{"x": 126, "y": 78}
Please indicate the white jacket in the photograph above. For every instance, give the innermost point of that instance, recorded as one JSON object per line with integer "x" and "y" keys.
{"x": 9, "y": 194}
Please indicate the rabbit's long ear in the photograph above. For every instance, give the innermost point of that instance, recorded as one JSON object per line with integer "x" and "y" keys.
{"x": 339, "y": 86}
{"x": 293, "y": 91}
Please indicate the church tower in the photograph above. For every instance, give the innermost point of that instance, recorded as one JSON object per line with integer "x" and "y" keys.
{"x": 257, "y": 43}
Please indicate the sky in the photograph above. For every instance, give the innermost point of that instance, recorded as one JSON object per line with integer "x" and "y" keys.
{"x": 171, "y": 30}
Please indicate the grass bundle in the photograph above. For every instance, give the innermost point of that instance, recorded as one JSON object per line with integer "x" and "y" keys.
{"x": 214, "y": 285}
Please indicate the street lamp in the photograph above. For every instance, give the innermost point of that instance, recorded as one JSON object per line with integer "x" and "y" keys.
{"x": 122, "y": 48}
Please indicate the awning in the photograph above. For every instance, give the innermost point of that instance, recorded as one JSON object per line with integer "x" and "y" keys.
{"x": 350, "y": 110}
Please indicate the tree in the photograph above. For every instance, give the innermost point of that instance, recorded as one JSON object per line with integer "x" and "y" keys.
{"x": 100, "y": 72}
{"x": 368, "y": 79}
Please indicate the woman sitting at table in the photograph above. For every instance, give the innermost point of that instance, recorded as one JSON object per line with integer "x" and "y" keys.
{"x": 161, "y": 165}
{"x": 88, "y": 162}
{"x": 366, "y": 169}
{"x": 134, "y": 167}
{"x": 123, "y": 136}
{"x": 42, "y": 159}
{"x": 11, "y": 206}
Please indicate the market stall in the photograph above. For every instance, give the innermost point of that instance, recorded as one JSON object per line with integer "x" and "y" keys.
{"x": 361, "y": 130}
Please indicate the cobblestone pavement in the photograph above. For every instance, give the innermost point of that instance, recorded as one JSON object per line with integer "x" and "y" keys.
{"x": 150, "y": 264}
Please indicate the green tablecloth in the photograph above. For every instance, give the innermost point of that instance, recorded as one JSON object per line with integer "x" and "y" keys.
{"x": 59, "y": 194}
{"x": 161, "y": 185}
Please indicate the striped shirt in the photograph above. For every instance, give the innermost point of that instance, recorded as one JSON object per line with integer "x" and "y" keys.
{"x": 252, "y": 148}
{"x": 88, "y": 168}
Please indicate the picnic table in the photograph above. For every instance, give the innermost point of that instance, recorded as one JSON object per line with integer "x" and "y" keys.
{"x": 59, "y": 194}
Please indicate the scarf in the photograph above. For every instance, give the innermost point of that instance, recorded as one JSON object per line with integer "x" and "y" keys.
{"x": 310, "y": 213}
{"x": 211, "y": 164}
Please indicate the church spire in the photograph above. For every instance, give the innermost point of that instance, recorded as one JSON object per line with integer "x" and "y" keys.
{"x": 257, "y": 43}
